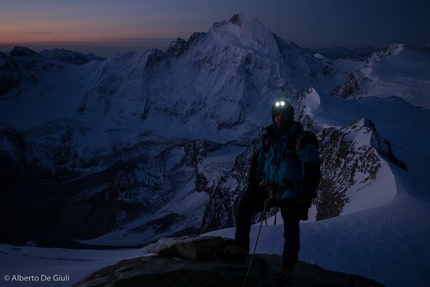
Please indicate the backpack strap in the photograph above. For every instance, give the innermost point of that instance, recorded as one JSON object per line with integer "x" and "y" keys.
{"x": 266, "y": 143}
{"x": 307, "y": 138}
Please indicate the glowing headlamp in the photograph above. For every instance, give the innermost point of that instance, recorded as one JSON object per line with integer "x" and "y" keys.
{"x": 280, "y": 104}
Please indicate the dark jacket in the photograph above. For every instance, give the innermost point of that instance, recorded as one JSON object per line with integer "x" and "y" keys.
{"x": 281, "y": 160}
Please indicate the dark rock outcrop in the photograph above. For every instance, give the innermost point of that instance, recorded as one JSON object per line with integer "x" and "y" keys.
{"x": 176, "y": 270}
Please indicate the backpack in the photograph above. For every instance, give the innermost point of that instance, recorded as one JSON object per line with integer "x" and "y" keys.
{"x": 306, "y": 138}
{"x": 297, "y": 141}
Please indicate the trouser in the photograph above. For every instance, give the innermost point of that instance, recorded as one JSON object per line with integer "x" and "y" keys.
{"x": 248, "y": 208}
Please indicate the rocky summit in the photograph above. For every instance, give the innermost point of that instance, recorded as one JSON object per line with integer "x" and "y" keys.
{"x": 190, "y": 262}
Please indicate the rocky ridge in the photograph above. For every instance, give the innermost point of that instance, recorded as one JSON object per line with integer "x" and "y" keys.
{"x": 191, "y": 262}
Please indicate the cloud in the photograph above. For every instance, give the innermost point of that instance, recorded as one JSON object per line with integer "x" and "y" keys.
{"x": 36, "y": 33}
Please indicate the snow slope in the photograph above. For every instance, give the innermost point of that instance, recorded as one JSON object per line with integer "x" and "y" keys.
{"x": 32, "y": 266}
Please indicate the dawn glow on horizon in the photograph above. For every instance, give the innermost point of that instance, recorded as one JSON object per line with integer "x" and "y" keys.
{"x": 112, "y": 26}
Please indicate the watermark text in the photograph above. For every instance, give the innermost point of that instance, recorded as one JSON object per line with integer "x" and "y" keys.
{"x": 37, "y": 278}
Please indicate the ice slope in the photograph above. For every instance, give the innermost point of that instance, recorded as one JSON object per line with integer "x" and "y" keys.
{"x": 405, "y": 74}
{"x": 388, "y": 244}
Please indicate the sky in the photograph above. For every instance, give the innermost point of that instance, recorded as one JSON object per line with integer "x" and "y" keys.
{"x": 106, "y": 27}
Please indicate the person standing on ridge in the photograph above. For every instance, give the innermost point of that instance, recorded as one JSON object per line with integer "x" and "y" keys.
{"x": 287, "y": 160}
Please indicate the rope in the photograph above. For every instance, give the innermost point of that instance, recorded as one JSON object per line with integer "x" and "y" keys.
{"x": 263, "y": 215}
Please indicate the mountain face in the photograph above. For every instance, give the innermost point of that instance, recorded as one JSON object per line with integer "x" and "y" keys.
{"x": 70, "y": 57}
{"x": 23, "y": 67}
{"x": 125, "y": 150}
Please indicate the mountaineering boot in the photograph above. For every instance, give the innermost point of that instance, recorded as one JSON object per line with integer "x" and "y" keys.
{"x": 232, "y": 252}
{"x": 283, "y": 277}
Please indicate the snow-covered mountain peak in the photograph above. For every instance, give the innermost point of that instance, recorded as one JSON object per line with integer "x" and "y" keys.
{"x": 362, "y": 132}
{"x": 214, "y": 90}
{"x": 241, "y": 23}
{"x": 248, "y": 23}
{"x": 19, "y": 51}
{"x": 178, "y": 47}
{"x": 245, "y": 31}
{"x": 308, "y": 101}
{"x": 387, "y": 51}
{"x": 365, "y": 123}
{"x": 70, "y": 57}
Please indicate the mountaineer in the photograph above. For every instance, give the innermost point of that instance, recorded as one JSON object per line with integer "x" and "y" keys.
{"x": 286, "y": 162}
